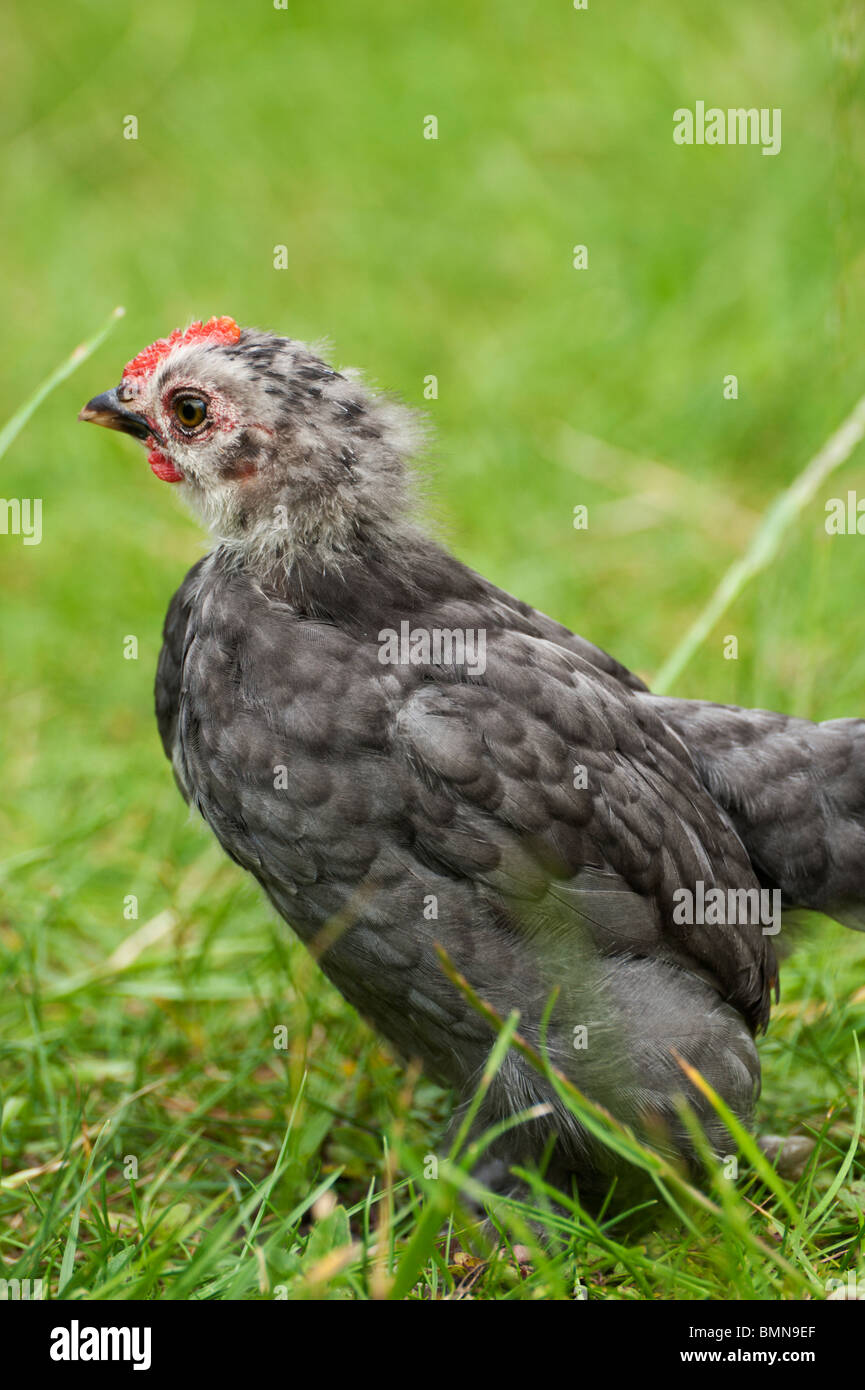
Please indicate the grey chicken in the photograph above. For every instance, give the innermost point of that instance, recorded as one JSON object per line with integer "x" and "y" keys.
{"x": 403, "y": 754}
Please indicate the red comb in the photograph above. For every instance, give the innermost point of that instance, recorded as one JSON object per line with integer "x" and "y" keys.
{"x": 222, "y": 330}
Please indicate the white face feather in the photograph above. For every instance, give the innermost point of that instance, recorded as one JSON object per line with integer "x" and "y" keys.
{"x": 292, "y": 458}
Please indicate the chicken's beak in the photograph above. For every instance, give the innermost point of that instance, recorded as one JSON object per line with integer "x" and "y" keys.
{"x": 107, "y": 410}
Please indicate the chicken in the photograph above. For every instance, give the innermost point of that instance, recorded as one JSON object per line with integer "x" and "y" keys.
{"x": 403, "y": 754}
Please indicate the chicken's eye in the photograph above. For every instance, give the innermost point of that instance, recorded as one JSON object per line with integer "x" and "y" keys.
{"x": 190, "y": 411}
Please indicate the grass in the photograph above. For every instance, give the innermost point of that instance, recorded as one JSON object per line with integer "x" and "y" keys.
{"x": 146, "y": 1044}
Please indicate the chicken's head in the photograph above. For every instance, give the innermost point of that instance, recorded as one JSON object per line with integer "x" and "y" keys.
{"x": 278, "y": 452}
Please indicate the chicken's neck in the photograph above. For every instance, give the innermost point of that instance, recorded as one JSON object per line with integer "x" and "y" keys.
{"x": 378, "y": 582}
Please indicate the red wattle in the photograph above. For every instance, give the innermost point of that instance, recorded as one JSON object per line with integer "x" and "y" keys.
{"x": 163, "y": 467}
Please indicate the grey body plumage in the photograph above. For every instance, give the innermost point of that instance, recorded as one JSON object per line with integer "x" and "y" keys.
{"x": 537, "y": 817}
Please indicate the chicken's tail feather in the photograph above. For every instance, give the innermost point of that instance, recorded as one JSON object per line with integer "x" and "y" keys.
{"x": 795, "y": 792}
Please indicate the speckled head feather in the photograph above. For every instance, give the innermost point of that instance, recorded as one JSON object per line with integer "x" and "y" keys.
{"x": 281, "y": 455}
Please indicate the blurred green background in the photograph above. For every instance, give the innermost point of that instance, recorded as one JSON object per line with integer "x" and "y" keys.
{"x": 303, "y": 127}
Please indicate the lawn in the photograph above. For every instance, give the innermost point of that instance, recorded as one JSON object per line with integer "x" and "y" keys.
{"x": 189, "y": 1110}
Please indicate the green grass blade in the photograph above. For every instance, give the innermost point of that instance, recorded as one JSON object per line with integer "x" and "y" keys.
{"x": 15, "y": 425}
{"x": 766, "y": 541}
{"x": 829, "y": 1196}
